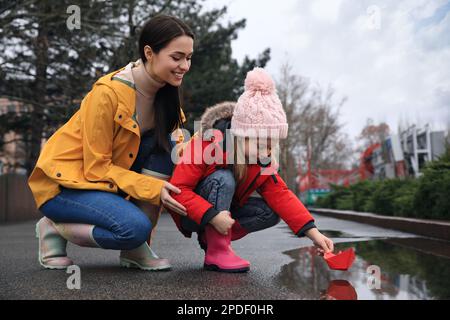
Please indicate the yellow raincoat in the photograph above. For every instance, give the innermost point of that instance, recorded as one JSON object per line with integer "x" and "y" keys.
{"x": 96, "y": 147}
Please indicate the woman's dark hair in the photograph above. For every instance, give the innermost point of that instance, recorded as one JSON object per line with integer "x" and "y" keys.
{"x": 157, "y": 33}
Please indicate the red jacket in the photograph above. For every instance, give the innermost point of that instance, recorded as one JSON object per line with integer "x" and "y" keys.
{"x": 193, "y": 168}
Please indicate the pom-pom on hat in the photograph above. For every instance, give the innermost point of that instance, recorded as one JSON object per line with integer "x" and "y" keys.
{"x": 258, "y": 112}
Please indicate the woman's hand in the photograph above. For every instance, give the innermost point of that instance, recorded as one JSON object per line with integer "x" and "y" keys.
{"x": 170, "y": 203}
{"x": 222, "y": 222}
{"x": 323, "y": 244}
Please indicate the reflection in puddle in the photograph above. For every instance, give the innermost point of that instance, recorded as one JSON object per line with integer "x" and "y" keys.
{"x": 415, "y": 268}
{"x": 337, "y": 234}
{"x": 327, "y": 233}
{"x": 339, "y": 290}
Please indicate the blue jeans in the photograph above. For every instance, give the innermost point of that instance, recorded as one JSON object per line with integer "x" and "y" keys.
{"x": 119, "y": 224}
{"x": 218, "y": 189}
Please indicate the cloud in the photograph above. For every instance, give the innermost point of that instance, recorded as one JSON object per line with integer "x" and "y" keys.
{"x": 325, "y": 10}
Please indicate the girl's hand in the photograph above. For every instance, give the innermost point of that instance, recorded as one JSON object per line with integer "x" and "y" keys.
{"x": 323, "y": 244}
{"x": 170, "y": 203}
{"x": 222, "y": 222}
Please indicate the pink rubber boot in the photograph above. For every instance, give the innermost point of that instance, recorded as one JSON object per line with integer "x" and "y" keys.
{"x": 219, "y": 254}
{"x": 143, "y": 258}
{"x": 52, "y": 246}
{"x": 77, "y": 233}
{"x": 237, "y": 232}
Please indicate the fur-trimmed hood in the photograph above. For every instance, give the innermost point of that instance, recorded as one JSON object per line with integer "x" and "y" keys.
{"x": 220, "y": 111}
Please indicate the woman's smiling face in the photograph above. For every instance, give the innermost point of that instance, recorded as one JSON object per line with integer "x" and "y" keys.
{"x": 172, "y": 62}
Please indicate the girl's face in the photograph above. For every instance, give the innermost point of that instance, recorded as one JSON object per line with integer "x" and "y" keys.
{"x": 172, "y": 62}
{"x": 257, "y": 148}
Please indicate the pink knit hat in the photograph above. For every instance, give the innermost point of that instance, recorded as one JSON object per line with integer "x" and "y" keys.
{"x": 258, "y": 112}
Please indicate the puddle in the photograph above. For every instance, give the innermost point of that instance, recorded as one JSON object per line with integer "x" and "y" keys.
{"x": 327, "y": 233}
{"x": 411, "y": 268}
{"x": 337, "y": 234}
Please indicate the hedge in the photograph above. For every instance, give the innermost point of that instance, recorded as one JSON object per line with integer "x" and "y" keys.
{"x": 425, "y": 197}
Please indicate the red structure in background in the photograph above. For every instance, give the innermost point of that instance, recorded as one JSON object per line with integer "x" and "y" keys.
{"x": 321, "y": 179}
{"x": 366, "y": 169}
{"x": 315, "y": 180}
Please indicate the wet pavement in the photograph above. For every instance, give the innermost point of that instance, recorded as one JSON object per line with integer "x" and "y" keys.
{"x": 283, "y": 267}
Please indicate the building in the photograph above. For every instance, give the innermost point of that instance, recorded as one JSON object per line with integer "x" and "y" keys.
{"x": 405, "y": 155}
{"x": 421, "y": 146}
{"x": 13, "y": 148}
{"x": 388, "y": 159}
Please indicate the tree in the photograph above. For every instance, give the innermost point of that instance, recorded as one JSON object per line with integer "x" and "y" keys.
{"x": 292, "y": 91}
{"x": 47, "y": 67}
{"x": 372, "y": 133}
{"x": 313, "y": 118}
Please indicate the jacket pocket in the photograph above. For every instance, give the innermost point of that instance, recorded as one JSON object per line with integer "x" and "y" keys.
{"x": 68, "y": 172}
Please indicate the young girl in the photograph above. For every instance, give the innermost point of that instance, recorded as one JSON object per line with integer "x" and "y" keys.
{"x": 105, "y": 170}
{"x": 227, "y": 195}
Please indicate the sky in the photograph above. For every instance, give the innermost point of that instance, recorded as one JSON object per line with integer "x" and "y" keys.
{"x": 390, "y": 59}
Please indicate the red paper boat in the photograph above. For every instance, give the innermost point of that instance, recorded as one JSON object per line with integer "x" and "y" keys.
{"x": 341, "y": 261}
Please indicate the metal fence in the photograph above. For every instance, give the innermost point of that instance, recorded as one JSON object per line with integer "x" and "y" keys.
{"x": 16, "y": 199}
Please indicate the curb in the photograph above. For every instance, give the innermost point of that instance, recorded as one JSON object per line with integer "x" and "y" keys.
{"x": 428, "y": 228}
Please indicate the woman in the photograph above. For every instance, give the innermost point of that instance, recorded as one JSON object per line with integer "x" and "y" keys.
{"x": 104, "y": 173}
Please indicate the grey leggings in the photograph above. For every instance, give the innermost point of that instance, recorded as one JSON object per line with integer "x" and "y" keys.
{"x": 218, "y": 189}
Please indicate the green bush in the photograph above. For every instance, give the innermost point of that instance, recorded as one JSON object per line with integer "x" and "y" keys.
{"x": 324, "y": 201}
{"x": 403, "y": 203}
{"x": 426, "y": 197}
{"x": 382, "y": 199}
{"x": 331, "y": 199}
{"x": 345, "y": 202}
{"x": 432, "y": 199}
{"x": 362, "y": 192}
